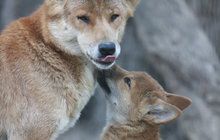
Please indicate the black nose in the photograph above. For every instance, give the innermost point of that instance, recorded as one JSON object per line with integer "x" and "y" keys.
{"x": 107, "y": 48}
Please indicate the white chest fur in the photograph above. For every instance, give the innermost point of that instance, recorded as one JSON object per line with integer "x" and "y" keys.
{"x": 82, "y": 94}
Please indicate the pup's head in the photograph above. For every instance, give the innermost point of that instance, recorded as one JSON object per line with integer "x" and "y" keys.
{"x": 135, "y": 96}
{"x": 90, "y": 27}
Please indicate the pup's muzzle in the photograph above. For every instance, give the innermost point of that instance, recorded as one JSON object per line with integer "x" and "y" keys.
{"x": 102, "y": 80}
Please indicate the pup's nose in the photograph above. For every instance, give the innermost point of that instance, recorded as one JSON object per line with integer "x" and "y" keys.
{"x": 107, "y": 48}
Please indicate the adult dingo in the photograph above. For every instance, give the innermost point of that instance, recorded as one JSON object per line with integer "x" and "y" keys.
{"x": 48, "y": 63}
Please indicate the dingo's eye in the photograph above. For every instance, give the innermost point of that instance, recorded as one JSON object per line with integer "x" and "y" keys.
{"x": 114, "y": 17}
{"x": 84, "y": 18}
{"x": 127, "y": 80}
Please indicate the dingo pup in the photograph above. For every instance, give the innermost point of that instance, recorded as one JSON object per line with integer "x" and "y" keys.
{"x": 137, "y": 105}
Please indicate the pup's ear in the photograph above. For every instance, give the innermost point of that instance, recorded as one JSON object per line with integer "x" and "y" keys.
{"x": 161, "y": 113}
{"x": 132, "y": 4}
{"x": 179, "y": 101}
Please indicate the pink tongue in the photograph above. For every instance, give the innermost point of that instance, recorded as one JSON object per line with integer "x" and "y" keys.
{"x": 109, "y": 58}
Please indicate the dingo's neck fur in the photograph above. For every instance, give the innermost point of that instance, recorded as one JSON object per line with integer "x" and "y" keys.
{"x": 137, "y": 105}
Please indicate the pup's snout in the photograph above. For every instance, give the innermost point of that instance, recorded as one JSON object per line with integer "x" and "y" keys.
{"x": 107, "y": 49}
{"x": 101, "y": 78}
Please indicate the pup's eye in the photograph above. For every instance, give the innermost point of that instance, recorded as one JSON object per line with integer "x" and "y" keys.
{"x": 127, "y": 80}
{"x": 114, "y": 17}
{"x": 84, "y": 19}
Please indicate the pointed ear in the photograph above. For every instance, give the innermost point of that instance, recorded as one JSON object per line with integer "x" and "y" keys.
{"x": 161, "y": 113}
{"x": 179, "y": 101}
{"x": 55, "y": 7}
{"x": 132, "y": 4}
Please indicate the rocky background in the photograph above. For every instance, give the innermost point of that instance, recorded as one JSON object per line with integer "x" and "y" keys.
{"x": 177, "y": 42}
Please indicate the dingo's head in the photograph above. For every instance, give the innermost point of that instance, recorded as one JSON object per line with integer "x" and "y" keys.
{"x": 90, "y": 27}
{"x": 135, "y": 96}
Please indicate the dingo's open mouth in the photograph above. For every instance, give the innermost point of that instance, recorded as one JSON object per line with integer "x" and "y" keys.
{"x": 108, "y": 60}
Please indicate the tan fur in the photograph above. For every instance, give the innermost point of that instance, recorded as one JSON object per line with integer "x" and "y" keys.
{"x": 136, "y": 112}
{"x": 46, "y": 77}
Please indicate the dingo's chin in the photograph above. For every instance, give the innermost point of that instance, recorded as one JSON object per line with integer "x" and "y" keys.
{"x": 103, "y": 66}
